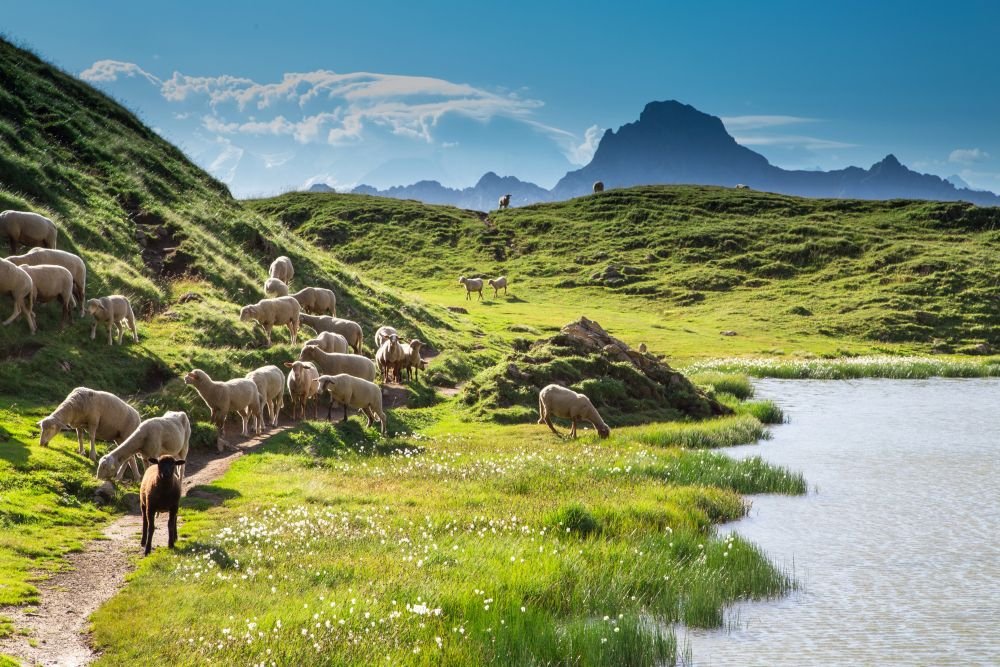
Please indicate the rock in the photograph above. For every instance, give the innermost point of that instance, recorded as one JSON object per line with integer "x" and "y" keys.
{"x": 105, "y": 493}
{"x": 190, "y": 296}
{"x": 727, "y": 333}
{"x": 458, "y": 309}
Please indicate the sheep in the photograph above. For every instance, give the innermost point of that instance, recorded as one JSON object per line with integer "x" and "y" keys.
{"x": 239, "y": 395}
{"x": 355, "y": 393}
{"x": 101, "y": 415}
{"x": 472, "y": 285}
{"x": 497, "y": 283}
{"x": 114, "y": 310}
{"x": 390, "y": 358}
{"x": 504, "y": 201}
{"x": 742, "y": 186}
{"x": 557, "y": 401}
{"x": 332, "y": 364}
{"x": 275, "y": 288}
{"x": 268, "y": 312}
{"x": 282, "y": 269}
{"x": 317, "y": 300}
{"x": 383, "y": 334}
{"x": 598, "y": 186}
{"x": 329, "y": 342}
{"x": 347, "y": 328}
{"x": 270, "y": 383}
{"x": 302, "y": 386}
{"x": 16, "y": 282}
{"x": 412, "y": 361}
{"x": 72, "y": 263}
{"x": 158, "y": 436}
{"x": 53, "y": 282}
{"x": 160, "y": 492}
{"x": 28, "y": 228}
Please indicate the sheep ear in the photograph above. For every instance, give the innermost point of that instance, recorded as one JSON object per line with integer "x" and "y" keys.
{"x": 289, "y": 364}
{"x": 152, "y": 459}
{"x": 179, "y": 462}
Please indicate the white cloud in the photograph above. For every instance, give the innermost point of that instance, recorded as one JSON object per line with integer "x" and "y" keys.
{"x": 744, "y": 123}
{"x": 110, "y": 70}
{"x": 792, "y": 141}
{"x": 225, "y": 164}
{"x": 582, "y": 153}
{"x": 968, "y": 155}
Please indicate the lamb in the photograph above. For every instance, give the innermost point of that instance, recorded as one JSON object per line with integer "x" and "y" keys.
{"x": 239, "y": 395}
{"x": 355, "y": 393}
{"x": 114, "y": 310}
{"x": 390, "y": 358}
{"x": 270, "y": 383}
{"x": 557, "y": 401}
{"x": 302, "y": 385}
{"x": 159, "y": 436}
{"x": 329, "y": 342}
{"x": 275, "y": 288}
{"x": 28, "y": 228}
{"x": 472, "y": 285}
{"x": 504, "y": 201}
{"x": 53, "y": 282}
{"x": 282, "y": 269}
{"x": 332, "y": 364}
{"x": 412, "y": 361}
{"x": 72, "y": 263}
{"x": 598, "y": 186}
{"x": 269, "y": 312}
{"x": 160, "y": 492}
{"x": 317, "y": 300}
{"x": 497, "y": 283}
{"x": 16, "y": 282}
{"x": 101, "y": 415}
{"x": 347, "y": 328}
{"x": 383, "y": 334}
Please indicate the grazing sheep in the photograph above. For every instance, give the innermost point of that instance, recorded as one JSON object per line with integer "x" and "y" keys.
{"x": 504, "y": 201}
{"x": 101, "y": 415}
{"x": 556, "y": 401}
{"x": 389, "y": 358}
{"x": 742, "y": 186}
{"x": 239, "y": 395}
{"x": 114, "y": 310}
{"x": 332, "y": 364}
{"x": 598, "y": 186}
{"x": 412, "y": 361}
{"x": 169, "y": 434}
{"x": 72, "y": 263}
{"x": 329, "y": 342}
{"x": 317, "y": 300}
{"x": 383, "y": 334}
{"x": 282, "y": 269}
{"x": 17, "y": 283}
{"x": 347, "y": 328}
{"x": 51, "y": 283}
{"x": 160, "y": 492}
{"x": 275, "y": 288}
{"x": 283, "y": 311}
{"x": 28, "y": 228}
{"x": 303, "y": 385}
{"x": 497, "y": 283}
{"x": 472, "y": 285}
{"x": 353, "y": 392}
{"x": 270, "y": 383}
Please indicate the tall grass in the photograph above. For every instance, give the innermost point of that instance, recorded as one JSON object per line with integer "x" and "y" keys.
{"x": 725, "y": 383}
{"x": 711, "y": 434}
{"x": 879, "y": 366}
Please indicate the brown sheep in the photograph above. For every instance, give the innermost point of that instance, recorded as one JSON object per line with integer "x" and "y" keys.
{"x": 160, "y": 492}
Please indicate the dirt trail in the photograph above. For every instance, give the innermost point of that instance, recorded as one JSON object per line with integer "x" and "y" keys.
{"x": 58, "y": 625}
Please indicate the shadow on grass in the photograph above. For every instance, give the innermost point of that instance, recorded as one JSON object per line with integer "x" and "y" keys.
{"x": 204, "y": 496}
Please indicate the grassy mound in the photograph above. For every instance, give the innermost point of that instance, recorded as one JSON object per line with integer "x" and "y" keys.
{"x": 626, "y": 386}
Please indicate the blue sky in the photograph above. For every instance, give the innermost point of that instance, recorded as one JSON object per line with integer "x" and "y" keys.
{"x": 273, "y": 96}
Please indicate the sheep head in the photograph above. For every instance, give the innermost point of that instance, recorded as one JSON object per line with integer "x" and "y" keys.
{"x": 94, "y": 306}
{"x": 195, "y": 377}
{"x": 166, "y": 465}
{"x": 248, "y": 313}
{"x": 107, "y": 467}
{"x": 49, "y": 427}
{"x": 603, "y": 431}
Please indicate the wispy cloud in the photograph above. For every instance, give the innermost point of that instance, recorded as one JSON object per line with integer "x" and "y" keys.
{"x": 968, "y": 155}
{"x": 110, "y": 70}
{"x": 793, "y": 141}
{"x": 744, "y": 123}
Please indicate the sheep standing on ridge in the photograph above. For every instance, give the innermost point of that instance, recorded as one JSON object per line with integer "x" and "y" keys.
{"x": 303, "y": 385}
{"x": 113, "y": 310}
{"x": 317, "y": 300}
{"x": 53, "y": 283}
{"x": 275, "y": 288}
{"x": 347, "y": 328}
{"x": 354, "y": 393}
{"x": 504, "y": 201}
{"x": 283, "y": 311}
{"x": 282, "y": 269}
{"x": 328, "y": 342}
{"x": 160, "y": 492}
{"x": 270, "y": 383}
{"x": 497, "y": 283}
{"x": 101, "y": 415}
{"x": 389, "y": 358}
{"x": 17, "y": 283}
{"x": 72, "y": 263}
{"x": 472, "y": 285}
{"x": 556, "y": 401}
{"x": 159, "y": 436}
{"x": 28, "y": 228}
{"x": 239, "y": 395}
{"x": 598, "y": 186}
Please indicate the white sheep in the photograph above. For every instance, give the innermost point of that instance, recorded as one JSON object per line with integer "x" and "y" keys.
{"x": 283, "y": 311}
{"x": 28, "y": 228}
{"x": 389, "y": 358}
{"x": 53, "y": 283}
{"x": 153, "y": 438}
{"x": 270, "y": 383}
{"x": 113, "y": 310}
{"x": 317, "y": 300}
{"x": 382, "y": 335}
{"x": 101, "y": 415}
{"x": 412, "y": 361}
{"x": 282, "y": 269}
{"x": 742, "y": 186}
{"x": 303, "y": 385}
{"x": 557, "y": 401}
{"x": 504, "y": 201}
{"x": 72, "y": 263}
{"x": 332, "y": 364}
{"x": 239, "y": 395}
{"x": 472, "y": 285}
{"x": 497, "y": 283}
{"x": 275, "y": 288}
{"x": 347, "y": 328}
{"x": 355, "y": 393}
{"x": 598, "y": 186}
{"x": 17, "y": 283}
{"x": 329, "y": 342}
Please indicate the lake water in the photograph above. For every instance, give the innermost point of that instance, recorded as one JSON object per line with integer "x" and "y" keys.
{"x": 897, "y": 545}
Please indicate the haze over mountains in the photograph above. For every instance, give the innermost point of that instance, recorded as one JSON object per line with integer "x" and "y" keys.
{"x": 676, "y": 143}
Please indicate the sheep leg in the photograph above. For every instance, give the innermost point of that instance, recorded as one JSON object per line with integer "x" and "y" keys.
{"x": 370, "y": 416}
{"x": 573, "y": 431}
{"x": 93, "y": 330}
{"x": 93, "y": 444}
{"x": 480, "y": 295}
{"x": 135, "y": 332}
{"x": 134, "y": 468}
{"x": 146, "y": 533}
{"x": 111, "y": 336}
{"x": 149, "y": 535}
{"x": 121, "y": 330}
{"x": 381, "y": 421}
{"x": 294, "y": 329}
{"x": 505, "y": 290}
{"x": 79, "y": 440}
{"x": 172, "y": 527}
{"x": 14, "y": 315}
{"x": 267, "y": 334}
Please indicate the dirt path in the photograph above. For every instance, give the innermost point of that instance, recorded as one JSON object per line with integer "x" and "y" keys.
{"x": 58, "y": 625}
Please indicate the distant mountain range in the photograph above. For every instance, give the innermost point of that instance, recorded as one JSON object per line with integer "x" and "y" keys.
{"x": 675, "y": 143}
